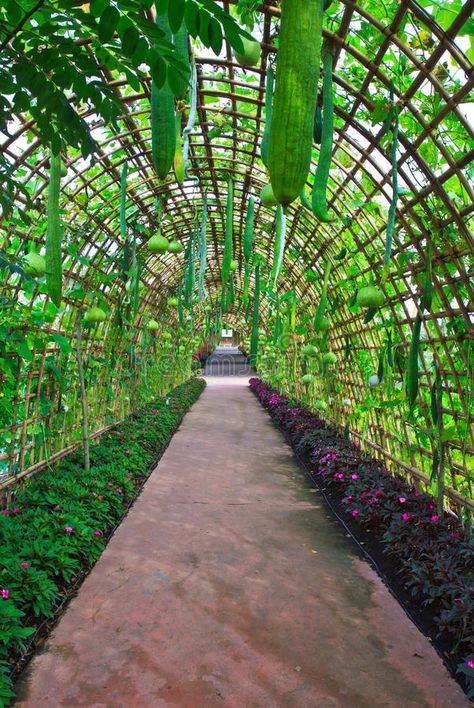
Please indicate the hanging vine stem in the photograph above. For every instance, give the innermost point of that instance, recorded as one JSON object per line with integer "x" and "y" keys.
{"x": 192, "y": 115}
{"x": 82, "y": 389}
{"x": 393, "y": 115}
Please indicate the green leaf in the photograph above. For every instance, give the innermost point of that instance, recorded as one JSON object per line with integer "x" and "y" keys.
{"x": 97, "y": 7}
{"x": 108, "y": 23}
{"x": 191, "y": 17}
{"x": 130, "y": 41}
{"x": 215, "y": 36}
{"x": 176, "y": 14}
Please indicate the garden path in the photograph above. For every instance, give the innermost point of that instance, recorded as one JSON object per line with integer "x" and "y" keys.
{"x": 228, "y": 584}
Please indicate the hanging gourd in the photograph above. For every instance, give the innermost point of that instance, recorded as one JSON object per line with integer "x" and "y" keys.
{"x": 265, "y": 144}
{"x": 267, "y": 197}
{"x": 279, "y": 245}
{"x": 54, "y": 233}
{"x": 178, "y": 162}
{"x": 294, "y": 101}
{"x": 250, "y": 54}
{"x": 319, "y": 196}
{"x": 256, "y": 308}
{"x": 227, "y": 257}
{"x": 370, "y": 297}
{"x": 163, "y": 122}
{"x": 203, "y": 247}
{"x": 248, "y": 240}
{"x": 412, "y": 375}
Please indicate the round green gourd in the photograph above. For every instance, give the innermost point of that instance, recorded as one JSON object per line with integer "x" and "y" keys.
{"x": 158, "y": 243}
{"x": 251, "y": 53}
{"x": 94, "y": 315}
{"x": 370, "y": 297}
{"x": 175, "y": 247}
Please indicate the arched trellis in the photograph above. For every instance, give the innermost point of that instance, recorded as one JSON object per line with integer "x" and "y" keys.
{"x": 360, "y": 176}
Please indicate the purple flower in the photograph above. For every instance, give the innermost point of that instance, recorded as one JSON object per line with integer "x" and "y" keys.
{"x": 4, "y": 593}
{"x": 402, "y": 499}
{"x": 354, "y": 512}
{"x": 68, "y": 529}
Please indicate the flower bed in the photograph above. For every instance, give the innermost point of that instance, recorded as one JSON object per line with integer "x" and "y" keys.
{"x": 57, "y": 526}
{"x": 427, "y": 553}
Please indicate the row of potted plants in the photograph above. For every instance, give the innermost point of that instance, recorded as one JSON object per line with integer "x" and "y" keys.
{"x": 56, "y": 526}
{"x": 426, "y": 551}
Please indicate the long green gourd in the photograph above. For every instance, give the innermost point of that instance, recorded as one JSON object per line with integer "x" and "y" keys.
{"x": 180, "y": 303}
{"x": 248, "y": 241}
{"x": 265, "y": 144}
{"x": 425, "y": 304}
{"x": 203, "y": 247}
{"x": 180, "y": 41}
{"x": 256, "y": 308}
{"x": 279, "y": 244}
{"x": 319, "y": 200}
{"x": 54, "y": 232}
{"x": 393, "y": 204}
{"x": 412, "y": 368}
{"x": 294, "y": 102}
{"x": 123, "y": 201}
{"x": 231, "y": 296}
{"x": 178, "y": 161}
{"x": 163, "y": 124}
{"x": 229, "y": 224}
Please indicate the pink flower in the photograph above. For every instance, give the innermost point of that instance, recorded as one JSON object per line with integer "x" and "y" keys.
{"x": 24, "y": 565}
{"x": 94, "y": 481}
{"x": 128, "y": 475}
{"x": 6, "y": 512}
{"x": 4, "y": 593}
{"x": 110, "y": 484}
{"x": 97, "y": 533}
{"x": 100, "y": 496}
{"x": 377, "y": 492}
{"x": 402, "y": 499}
{"x": 127, "y": 452}
{"x": 470, "y": 663}
{"x": 94, "y": 494}
{"x": 431, "y": 506}
{"x": 57, "y": 506}
{"x": 119, "y": 491}
{"x": 354, "y": 512}
{"x": 405, "y": 516}
{"x": 68, "y": 529}
{"x": 435, "y": 517}
{"x": 17, "y": 510}
{"x": 354, "y": 476}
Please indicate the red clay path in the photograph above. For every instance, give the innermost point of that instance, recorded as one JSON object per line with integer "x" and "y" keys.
{"x": 229, "y": 585}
